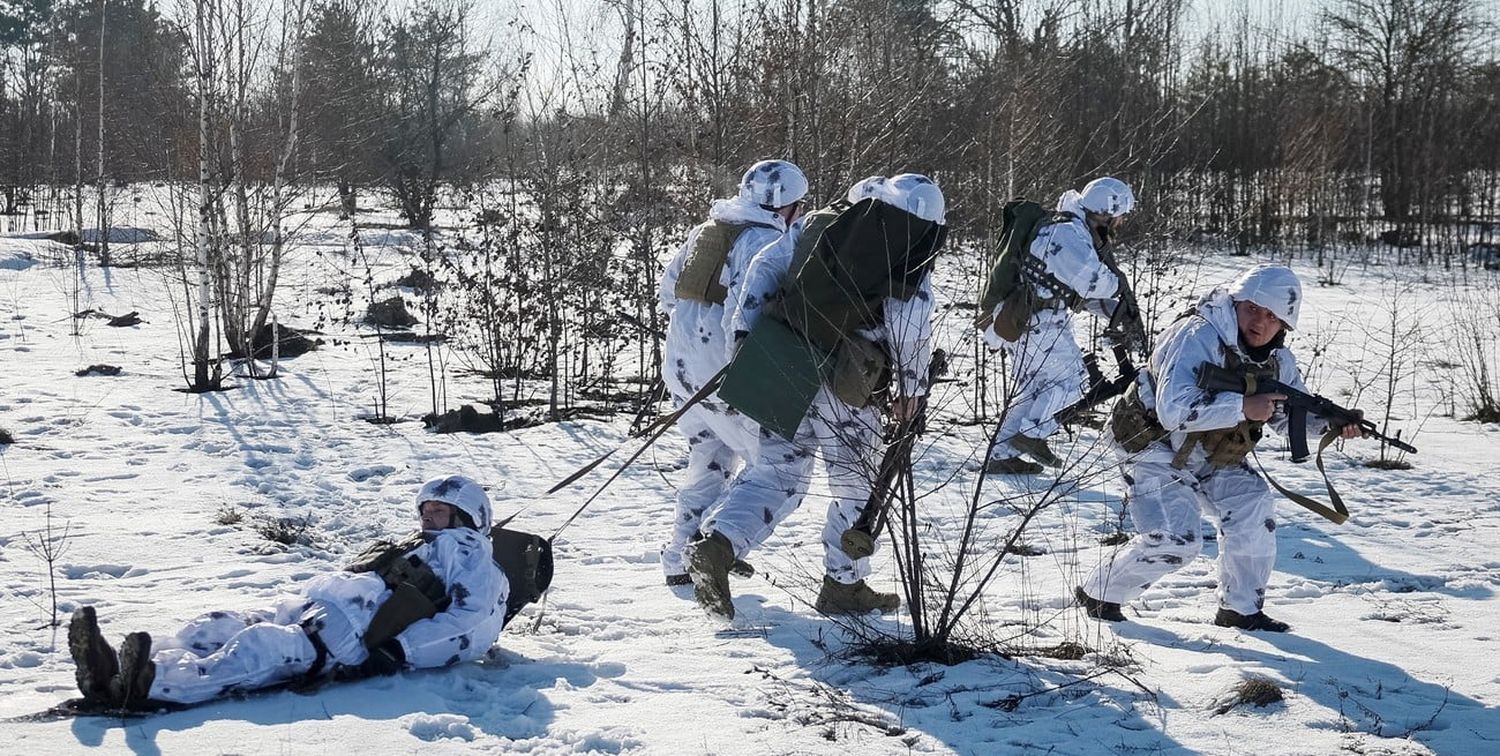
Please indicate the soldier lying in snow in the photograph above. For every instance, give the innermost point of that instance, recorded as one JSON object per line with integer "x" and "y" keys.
{"x": 435, "y": 599}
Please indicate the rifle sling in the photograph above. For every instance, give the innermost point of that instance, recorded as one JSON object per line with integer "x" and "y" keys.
{"x": 1338, "y": 514}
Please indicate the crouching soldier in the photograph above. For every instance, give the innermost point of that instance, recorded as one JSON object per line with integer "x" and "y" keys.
{"x": 832, "y": 324}
{"x": 1184, "y": 449}
{"x": 434, "y": 599}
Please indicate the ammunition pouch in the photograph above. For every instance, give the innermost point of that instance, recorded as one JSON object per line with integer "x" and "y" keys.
{"x": 1134, "y": 426}
{"x": 417, "y": 593}
{"x": 861, "y": 370}
{"x": 406, "y": 606}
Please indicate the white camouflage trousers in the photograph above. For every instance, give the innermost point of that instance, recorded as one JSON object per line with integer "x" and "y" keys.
{"x": 223, "y": 652}
{"x": 1166, "y": 504}
{"x": 1047, "y": 375}
{"x": 717, "y": 443}
{"x": 773, "y": 486}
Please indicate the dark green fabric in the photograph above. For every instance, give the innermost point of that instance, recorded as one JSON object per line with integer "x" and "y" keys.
{"x": 407, "y": 605}
{"x": 526, "y": 560}
{"x": 774, "y": 377}
{"x": 1020, "y": 222}
{"x": 844, "y": 269}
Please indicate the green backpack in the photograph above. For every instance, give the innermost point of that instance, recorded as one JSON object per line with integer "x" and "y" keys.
{"x": 1020, "y": 222}
{"x": 848, "y": 259}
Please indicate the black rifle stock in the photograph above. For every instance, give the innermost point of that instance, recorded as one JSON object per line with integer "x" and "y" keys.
{"x": 859, "y": 540}
{"x": 1299, "y": 404}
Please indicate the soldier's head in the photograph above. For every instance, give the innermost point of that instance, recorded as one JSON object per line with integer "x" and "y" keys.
{"x": 918, "y": 195}
{"x": 1267, "y": 300}
{"x": 1105, "y": 202}
{"x": 453, "y": 502}
{"x": 775, "y": 185}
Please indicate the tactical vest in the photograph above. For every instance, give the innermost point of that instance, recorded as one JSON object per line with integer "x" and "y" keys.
{"x": 1016, "y": 272}
{"x": 1227, "y": 447}
{"x": 417, "y": 593}
{"x": 849, "y": 259}
{"x": 1135, "y": 428}
{"x": 699, "y": 280}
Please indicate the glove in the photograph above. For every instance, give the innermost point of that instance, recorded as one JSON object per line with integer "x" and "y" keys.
{"x": 386, "y": 659}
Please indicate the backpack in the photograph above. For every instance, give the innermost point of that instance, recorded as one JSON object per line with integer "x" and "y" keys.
{"x": 848, "y": 259}
{"x": 1008, "y": 285}
{"x": 846, "y": 265}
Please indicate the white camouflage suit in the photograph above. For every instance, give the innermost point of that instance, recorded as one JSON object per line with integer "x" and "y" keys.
{"x": 718, "y": 438}
{"x": 849, "y": 438}
{"x": 1046, "y": 365}
{"x": 1166, "y": 503}
{"x": 225, "y": 651}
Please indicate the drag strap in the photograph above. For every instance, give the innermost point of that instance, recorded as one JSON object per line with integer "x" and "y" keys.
{"x": 653, "y": 431}
{"x": 1338, "y": 514}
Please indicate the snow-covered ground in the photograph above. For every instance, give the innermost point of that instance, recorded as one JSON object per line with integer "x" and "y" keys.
{"x": 1396, "y": 622}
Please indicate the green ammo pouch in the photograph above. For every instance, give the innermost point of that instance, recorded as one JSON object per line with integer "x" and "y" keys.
{"x": 860, "y": 369}
{"x": 1134, "y": 426}
{"x": 406, "y": 606}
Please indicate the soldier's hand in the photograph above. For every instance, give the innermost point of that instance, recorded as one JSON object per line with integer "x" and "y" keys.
{"x": 1352, "y": 430}
{"x": 904, "y": 407}
{"x": 1261, "y": 407}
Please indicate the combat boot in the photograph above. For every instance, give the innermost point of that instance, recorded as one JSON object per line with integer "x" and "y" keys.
{"x": 131, "y": 688}
{"x": 1108, "y": 611}
{"x": 709, "y": 561}
{"x": 1011, "y": 466}
{"x": 1035, "y": 447}
{"x": 95, "y": 663}
{"x": 740, "y": 569}
{"x": 853, "y": 598}
{"x": 1251, "y": 622}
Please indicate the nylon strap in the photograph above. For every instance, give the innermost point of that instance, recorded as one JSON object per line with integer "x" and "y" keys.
{"x": 1338, "y": 514}
{"x": 655, "y": 430}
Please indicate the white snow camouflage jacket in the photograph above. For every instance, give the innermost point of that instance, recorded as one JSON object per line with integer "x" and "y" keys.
{"x": 1170, "y": 384}
{"x": 1067, "y": 249}
{"x": 477, "y": 589}
{"x": 697, "y": 331}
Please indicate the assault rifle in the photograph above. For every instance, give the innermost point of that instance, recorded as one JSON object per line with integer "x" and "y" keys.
{"x": 859, "y": 540}
{"x": 1213, "y": 377}
{"x": 1126, "y": 333}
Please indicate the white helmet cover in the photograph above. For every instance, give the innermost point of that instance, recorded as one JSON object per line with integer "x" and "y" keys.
{"x": 462, "y": 493}
{"x": 918, "y": 195}
{"x": 873, "y": 186}
{"x": 773, "y": 183}
{"x": 1274, "y": 287}
{"x": 1107, "y": 195}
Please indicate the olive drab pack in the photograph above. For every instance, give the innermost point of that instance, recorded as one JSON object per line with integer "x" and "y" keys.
{"x": 1014, "y": 270}
{"x": 842, "y": 274}
{"x": 526, "y": 560}
{"x": 699, "y": 279}
{"x": 417, "y": 593}
{"x": 848, "y": 260}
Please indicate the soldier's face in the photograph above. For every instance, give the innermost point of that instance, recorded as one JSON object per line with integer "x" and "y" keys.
{"x": 1257, "y": 324}
{"x": 436, "y": 515}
